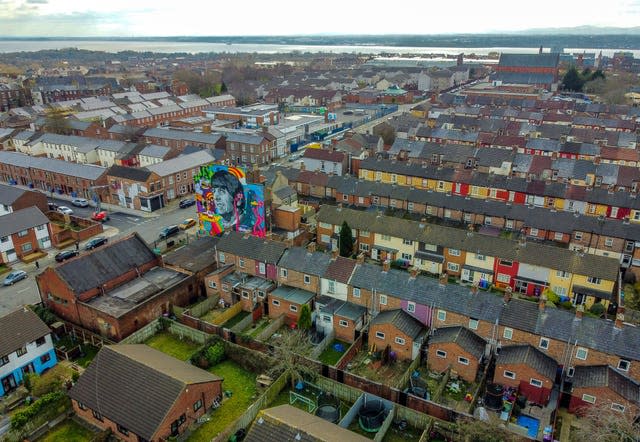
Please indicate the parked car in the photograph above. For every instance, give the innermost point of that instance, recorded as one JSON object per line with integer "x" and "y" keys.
{"x": 168, "y": 231}
{"x": 187, "y": 223}
{"x": 101, "y": 216}
{"x": 188, "y": 202}
{"x": 65, "y": 210}
{"x": 52, "y": 206}
{"x": 95, "y": 242}
{"x": 80, "y": 202}
{"x": 66, "y": 254}
{"x": 15, "y": 276}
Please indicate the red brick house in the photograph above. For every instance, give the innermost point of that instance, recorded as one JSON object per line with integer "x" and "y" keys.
{"x": 22, "y": 233}
{"x": 115, "y": 289}
{"x": 597, "y": 384}
{"x": 289, "y": 301}
{"x": 142, "y": 394}
{"x": 528, "y": 369}
{"x": 14, "y": 198}
{"x": 458, "y": 348}
{"x": 344, "y": 318}
{"x": 400, "y": 331}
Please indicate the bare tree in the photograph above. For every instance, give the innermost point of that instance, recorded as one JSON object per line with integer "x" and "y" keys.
{"x": 286, "y": 357}
{"x": 601, "y": 423}
{"x": 57, "y": 122}
{"x": 475, "y": 430}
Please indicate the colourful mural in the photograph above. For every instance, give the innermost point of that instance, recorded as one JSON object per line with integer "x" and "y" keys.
{"x": 224, "y": 201}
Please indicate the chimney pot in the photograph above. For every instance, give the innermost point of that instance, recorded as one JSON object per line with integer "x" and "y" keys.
{"x": 619, "y": 318}
{"x": 542, "y": 303}
{"x": 360, "y": 258}
{"x": 579, "y": 312}
{"x": 444, "y": 278}
{"x": 386, "y": 265}
{"x": 311, "y": 247}
{"x": 507, "y": 295}
{"x": 474, "y": 289}
{"x": 334, "y": 254}
{"x": 413, "y": 271}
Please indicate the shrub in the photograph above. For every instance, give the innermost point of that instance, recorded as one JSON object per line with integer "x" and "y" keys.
{"x": 215, "y": 354}
{"x": 551, "y": 296}
{"x": 597, "y": 309}
{"x": 20, "y": 418}
{"x": 50, "y": 381}
{"x": 567, "y": 305}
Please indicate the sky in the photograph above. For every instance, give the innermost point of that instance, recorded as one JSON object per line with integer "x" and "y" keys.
{"x": 134, "y": 18}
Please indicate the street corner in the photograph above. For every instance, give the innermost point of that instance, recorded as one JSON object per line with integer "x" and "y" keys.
{"x": 110, "y": 231}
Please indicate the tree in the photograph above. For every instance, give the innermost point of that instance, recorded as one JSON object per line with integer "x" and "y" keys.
{"x": 346, "y": 240}
{"x": 599, "y": 422}
{"x": 387, "y": 132}
{"x": 475, "y": 430}
{"x": 572, "y": 80}
{"x": 286, "y": 357}
{"x": 56, "y": 122}
{"x": 304, "y": 321}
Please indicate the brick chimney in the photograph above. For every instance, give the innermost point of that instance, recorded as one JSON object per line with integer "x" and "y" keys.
{"x": 334, "y": 254}
{"x": 311, "y": 247}
{"x": 386, "y": 265}
{"x": 507, "y": 295}
{"x": 302, "y": 166}
{"x": 542, "y": 303}
{"x": 619, "y": 318}
{"x": 413, "y": 271}
{"x": 579, "y": 312}
{"x": 474, "y": 289}
{"x": 444, "y": 279}
{"x": 360, "y": 258}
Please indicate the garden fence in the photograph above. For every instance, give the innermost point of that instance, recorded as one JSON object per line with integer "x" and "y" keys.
{"x": 382, "y": 432}
{"x": 228, "y": 314}
{"x": 404, "y": 379}
{"x": 271, "y": 328}
{"x": 203, "y": 307}
{"x": 140, "y": 336}
{"x": 349, "y": 354}
{"x": 183, "y": 331}
{"x": 242, "y": 325}
{"x": 317, "y": 351}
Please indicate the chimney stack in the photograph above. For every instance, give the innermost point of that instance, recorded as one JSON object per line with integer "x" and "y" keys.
{"x": 360, "y": 258}
{"x": 334, "y": 254}
{"x": 413, "y": 271}
{"x": 507, "y": 295}
{"x": 579, "y": 312}
{"x": 619, "y": 318}
{"x": 444, "y": 279}
{"x": 542, "y": 303}
{"x": 311, "y": 247}
{"x": 386, "y": 265}
{"x": 302, "y": 166}
{"x": 474, "y": 289}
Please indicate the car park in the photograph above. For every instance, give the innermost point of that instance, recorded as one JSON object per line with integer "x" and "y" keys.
{"x": 188, "y": 202}
{"x": 80, "y": 202}
{"x": 187, "y": 223}
{"x": 15, "y": 276}
{"x": 168, "y": 231}
{"x": 66, "y": 254}
{"x": 101, "y": 216}
{"x": 95, "y": 242}
{"x": 64, "y": 210}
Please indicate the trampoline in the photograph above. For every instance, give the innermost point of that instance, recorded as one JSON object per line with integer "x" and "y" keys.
{"x": 328, "y": 408}
{"x": 493, "y": 397}
{"x": 371, "y": 415}
{"x": 418, "y": 388}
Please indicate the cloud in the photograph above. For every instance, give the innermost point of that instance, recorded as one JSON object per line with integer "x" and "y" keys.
{"x": 38, "y": 2}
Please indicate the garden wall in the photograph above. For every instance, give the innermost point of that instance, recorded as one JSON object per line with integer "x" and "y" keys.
{"x": 228, "y": 314}
{"x": 349, "y": 354}
{"x": 317, "y": 351}
{"x": 271, "y": 328}
{"x": 140, "y": 336}
{"x": 203, "y": 307}
{"x": 172, "y": 327}
{"x": 242, "y": 325}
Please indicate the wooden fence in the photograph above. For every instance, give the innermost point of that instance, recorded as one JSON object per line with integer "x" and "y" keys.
{"x": 318, "y": 349}
{"x": 242, "y": 325}
{"x": 349, "y": 354}
{"x": 140, "y": 336}
{"x": 228, "y": 314}
{"x": 271, "y": 328}
{"x": 404, "y": 379}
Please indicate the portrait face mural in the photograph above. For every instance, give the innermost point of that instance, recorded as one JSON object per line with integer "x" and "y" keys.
{"x": 224, "y": 201}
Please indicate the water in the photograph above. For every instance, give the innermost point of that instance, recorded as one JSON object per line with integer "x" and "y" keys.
{"x": 234, "y": 48}
{"x": 530, "y": 423}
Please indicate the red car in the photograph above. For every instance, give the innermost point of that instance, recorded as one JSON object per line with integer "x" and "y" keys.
{"x": 101, "y": 216}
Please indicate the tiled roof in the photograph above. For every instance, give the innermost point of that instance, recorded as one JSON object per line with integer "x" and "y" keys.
{"x": 251, "y": 247}
{"x": 301, "y": 260}
{"x": 9, "y": 194}
{"x": 528, "y": 355}
{"x": 324, "y": 155}
{"x": 607, "y": 376}
{"x": 401, "y": 320}
{"x": 20, "y": 220}
{"x": 130, "y": 173}
{"x": 86, "y": 171}
{"x": 340, "y": 269}
{"x": 465, "y": 338}
{"x": 19, "y": 328}
{"x": 182, "y": 163}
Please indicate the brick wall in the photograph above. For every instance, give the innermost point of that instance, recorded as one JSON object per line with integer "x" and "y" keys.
{"x": 602, "y": 395}
{"x": 296, "y": 279}
{"x": 403, "y": 351}
{"x": 453, "y": 352}
{"x": 283, "y": 308}
{"x": 522, "y": 372}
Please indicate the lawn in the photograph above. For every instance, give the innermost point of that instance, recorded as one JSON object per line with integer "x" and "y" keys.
{"x": 68, "y": 431}
{"x": 242, "y": 385}
{"x": 237, "y": 318}
{"x": 173, "y": 346}
{"x": 89, "y": 352}
{"x": 259, "y": 326}
{"x": 330, "y": 356}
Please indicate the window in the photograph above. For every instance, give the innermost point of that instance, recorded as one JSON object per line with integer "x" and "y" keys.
{"x": 343, "y": 323}
{"x": 122, "y": 430}
{"x": 383, "y": 299}
{"x": 82, "y": 406}
{"x": 23, "y": 233}
{"x": 487, "y": 221}
{"x": 213, "y": 285}
{"x": 562, "y": 274}
{"x": 283, "y": 273}
{"x": 506, "y": 263}
{"x": 533, "y": 231}
{"x": 96, "y": 415}
{"x": 262, "y": 268}
{"x": 245, "y": 294}
{"x": 326, "y": 318}
{"x": 275, "y": 302}
{"x": 241, "y": 263}
{"x": 406, "y": 256}
{"x": 544, "y": 343}
{"x": 41, "y": 227}
{"x": 399, "y": 340}
{"x": 385, "y": 237}
{"x": 45, "y": 358}
{"x": 40, "y": 341}
{"x": 608, "y": 242}
{"x": 225, "y": 288}
{"x": 332, "y": 287}
{"x": 623, "y": 365}
{"x": 535, "y": 382}
{"x": 379, "y": 335}
{"x": 356, "y": 292}
{"x": 558, "y": 236}
{"x": 26, "y": 247}
{"x": 411, "y": 307}
{"x": 570, "y": 372}
{"x": 508, "y": 333}
{"x": 4, "y": 360}
{"x": 504, "y": 278}
{"x": 577, "y": 236}
{"x": 261, "y": 294}
{"x": 473, "y": 324}
{"x": 454, "y": 252}
{"x": 442, "y": 315}
{"x": 6, "y": 238}
{"x": 307, "y": 279}
{"x": 452, "y": 266}
{"x": 481, "y": 257}
{"x": 176, "y": 424}
{"x": 221, "y": 256}
{"x": 617, "y": 407}
{"x": 345, "y": 197}
{"x": 581, "y": 353}
{"x": 463, "y": 361}
{"x": 364, "y": 233}
{"x": 509, "y": 374}
{"x": 592, "y": 280}
{"x": 407, "y": 242}
{"x": 364, "y": 247}
{"x": 441, "y": 353}
{"x": 588, "y": 398}
{"x": 21, "y": 351}
{"x": 293, "y": 308}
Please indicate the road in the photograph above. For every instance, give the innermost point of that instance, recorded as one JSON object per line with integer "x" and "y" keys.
{"x": 119, "y": 225}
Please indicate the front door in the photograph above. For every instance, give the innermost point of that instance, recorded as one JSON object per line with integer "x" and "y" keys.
{"x": 9, "y": 383}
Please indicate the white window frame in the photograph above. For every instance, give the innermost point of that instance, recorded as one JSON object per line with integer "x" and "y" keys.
{"x": 383, "y": 299}
{"x": 356, "y": 292}
{"x": 454, "y": 252}
{"x": 507, "y": 333}
{"x": 473, "y": 324}
{"x": 624, "y": 362}
{"x": 558, "y": 236}
{"x": 275, "y": 302}
{"x": 379, "y": 335}
{"x": 618, "y": 407}
{"x": 399, "y": 340}
{"x": 463, "y": 361}
{"x": 307, "y": 279}
{"x": 442, "y": 315}
{"x": 536, "y": 382}
{"x": 343, "y": 323}
{"x": 580, "y": 350}
{"x": 608, "y": 242}
{"x": 533, "y": 231}
{"x": 454, "y": 267}
{"x": 284, "y": 273}
{"x": 213, "y": 285}
{"x": 293, "y": 308}
{"x": 504, "y": 278}
{"x": 262, "y": 268}
{"x": 241, "y": 263}
{"x": 509, "y": 374}
{"x": 544, "y": 343}
{"x": 441, "y": 354}
{"x": 589, "y": 398}
{"x": 221, "y": 256}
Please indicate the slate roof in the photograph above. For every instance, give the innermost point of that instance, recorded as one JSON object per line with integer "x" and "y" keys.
{"x": 340, "y": 269}
{"x": 130, "y": 173}
{"x": 251, "y": 247}
{"x": 324, "y": 155}
{"x": 465, "y": 338}
{"x": 104, "y": 264}
{"x": 18, "y": 328}
{"x": 528, "y": 355}
{"x": 293, "y": 294}
{"x": 300, "y": 260}
{"x": 182, "y": 163}
{"x": 155, "y": 151}
{"x": 136, "y": 386}
{"x": 288, "y": 423}
{"x": 195, "y": 137}
{"x": 195, "y": 256}
{"x": 547, "y": 60}
{"x": 9, "y": 194}
{"x": 86, "y": 171}
{"x": 351, "y": 311}
{"x": 607, "y": 376}
{"x": 21, "y": 220}
{"x": 402, "y": 321}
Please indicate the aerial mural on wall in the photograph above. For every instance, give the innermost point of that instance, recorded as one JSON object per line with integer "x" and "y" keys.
{"x": 224, "y": 201}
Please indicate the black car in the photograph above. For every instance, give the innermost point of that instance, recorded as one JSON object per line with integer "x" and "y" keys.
{"x": 187, "y": 203}
{"x": 168, "y": 231}
{"x": 52, "y": 206}
{"x": 95, "y": 242}
{"x": 66, "y": 254}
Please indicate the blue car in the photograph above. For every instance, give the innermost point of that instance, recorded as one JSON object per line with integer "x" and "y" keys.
{"x": 14, "y": 277}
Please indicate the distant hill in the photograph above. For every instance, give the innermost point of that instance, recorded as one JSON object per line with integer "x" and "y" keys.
{"x": 582, "y": 30}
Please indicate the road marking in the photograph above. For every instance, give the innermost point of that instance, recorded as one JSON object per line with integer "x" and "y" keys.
{"x": 135, "y": 220}
{"x": 23, "y": 290}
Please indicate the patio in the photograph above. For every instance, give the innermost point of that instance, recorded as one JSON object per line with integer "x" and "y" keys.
{"x": 367, "y": 365}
